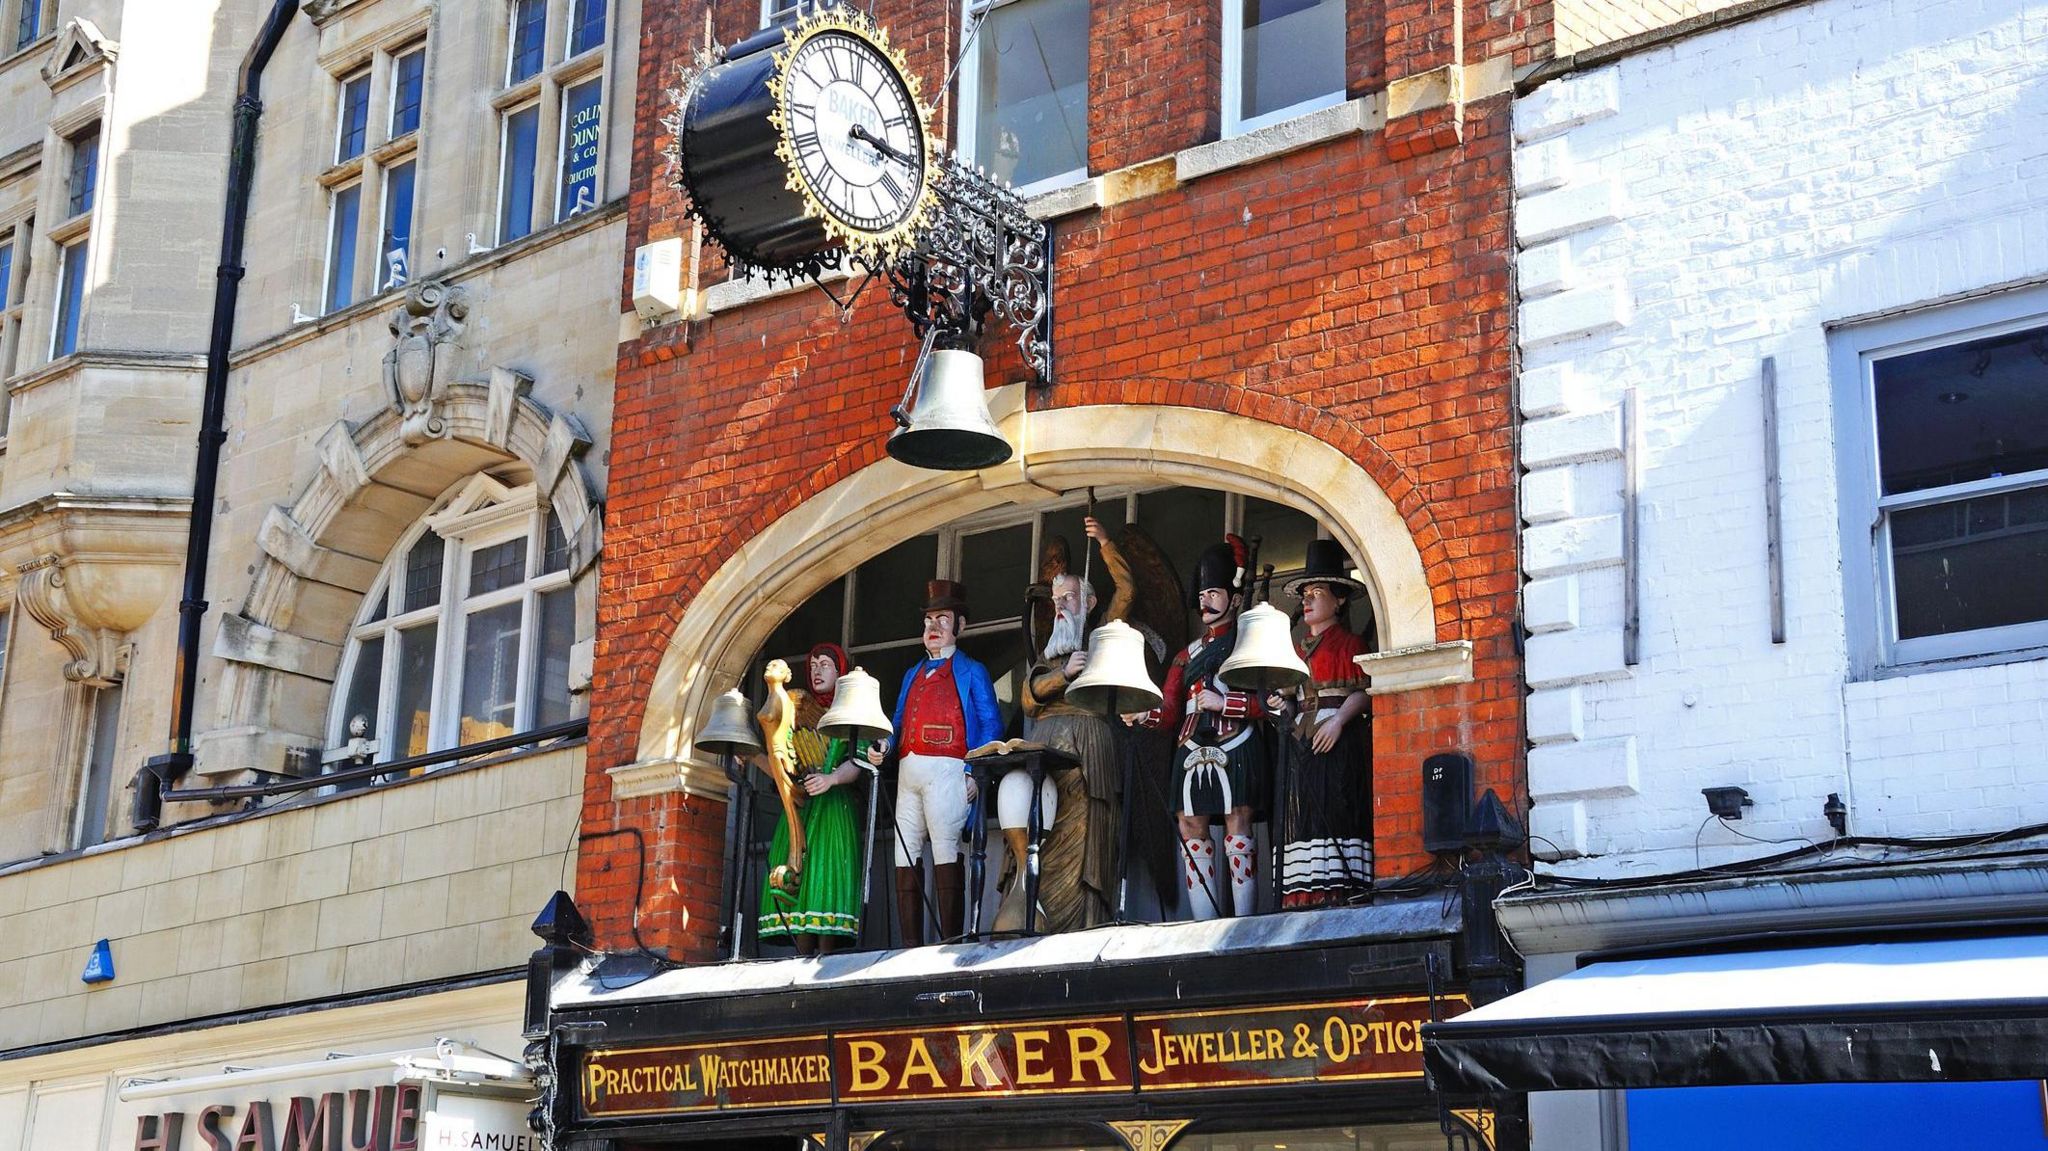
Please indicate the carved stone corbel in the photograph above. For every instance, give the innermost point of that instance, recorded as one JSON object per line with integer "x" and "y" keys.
{"x": 416, "y": 368}
{"x": 99, "y": 655}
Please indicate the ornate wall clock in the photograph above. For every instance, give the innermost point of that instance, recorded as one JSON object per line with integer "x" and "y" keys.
{"x": 808, "y": 141}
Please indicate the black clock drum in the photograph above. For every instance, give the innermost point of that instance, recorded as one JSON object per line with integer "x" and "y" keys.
{"x": 806, "y": 141}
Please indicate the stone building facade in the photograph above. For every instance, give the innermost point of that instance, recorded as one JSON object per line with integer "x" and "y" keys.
{"x": 404, "y": 541}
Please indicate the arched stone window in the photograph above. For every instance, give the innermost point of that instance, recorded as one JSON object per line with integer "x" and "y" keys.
{"x": 465, "y": 635}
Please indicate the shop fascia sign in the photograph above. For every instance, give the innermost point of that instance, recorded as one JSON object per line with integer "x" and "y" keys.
{"x": 406, "y": 1116}
{"x": 1142, "y": 1053}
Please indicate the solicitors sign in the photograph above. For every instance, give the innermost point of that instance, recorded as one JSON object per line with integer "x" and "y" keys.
{"x": 1162, "y": 1052}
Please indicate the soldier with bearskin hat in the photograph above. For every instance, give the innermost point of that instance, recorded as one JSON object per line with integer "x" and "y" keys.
{"x": 1219, "y": 758}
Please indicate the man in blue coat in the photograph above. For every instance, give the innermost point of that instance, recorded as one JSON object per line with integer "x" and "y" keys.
{"x": 947, "y": 708}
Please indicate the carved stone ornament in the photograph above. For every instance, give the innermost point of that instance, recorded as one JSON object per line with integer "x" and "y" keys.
{"x": 99, "y": 655}
{"x": 81, "y": 47}
{"x": 416, "y": 368}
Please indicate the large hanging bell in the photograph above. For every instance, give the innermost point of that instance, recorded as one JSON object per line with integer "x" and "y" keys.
{"x": 856, "y": 712}
{"x": 948, "y": 428}
{"x": 731, "y": 729}
{"x": 1114, "y": 682}
{"x": 1264, "y": 659}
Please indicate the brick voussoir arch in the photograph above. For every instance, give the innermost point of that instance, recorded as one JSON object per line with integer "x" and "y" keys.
{"x": 1063, "y": 448}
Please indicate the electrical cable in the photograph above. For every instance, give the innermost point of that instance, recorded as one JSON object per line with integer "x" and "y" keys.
{"x": 1734, "y": 830}
{"x": 1937, "y": 847}
{"x": 639, "y": 879}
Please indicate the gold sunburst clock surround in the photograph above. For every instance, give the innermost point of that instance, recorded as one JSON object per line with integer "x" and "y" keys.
{"x": 852, "y": 133}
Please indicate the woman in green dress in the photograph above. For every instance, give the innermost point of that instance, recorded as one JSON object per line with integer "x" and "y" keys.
{"x": 824, "y": 914}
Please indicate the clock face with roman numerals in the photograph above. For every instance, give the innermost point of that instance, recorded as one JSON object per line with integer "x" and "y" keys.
{"x": 853, "y": 134}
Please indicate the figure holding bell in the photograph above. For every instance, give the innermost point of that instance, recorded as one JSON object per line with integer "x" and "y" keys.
{"x": 1079, "y": 859}
{"x": 1219, "y": 757}
{"x": 822, "y": 912}
{"x": 1326, "y": 819}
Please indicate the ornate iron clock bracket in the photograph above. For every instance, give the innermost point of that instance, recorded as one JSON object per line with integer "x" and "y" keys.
{"x": 982, "y": 257}
{"x": 960, "y": 251}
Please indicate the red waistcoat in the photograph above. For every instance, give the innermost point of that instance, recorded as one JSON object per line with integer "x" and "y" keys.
{"x": 933, "y": 723}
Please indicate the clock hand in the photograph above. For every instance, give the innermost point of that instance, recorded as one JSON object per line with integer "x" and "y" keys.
{"x": 859, "y": 132}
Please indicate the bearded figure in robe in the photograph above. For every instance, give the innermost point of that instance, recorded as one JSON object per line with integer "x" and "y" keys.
{"x": 1077, "y": 862}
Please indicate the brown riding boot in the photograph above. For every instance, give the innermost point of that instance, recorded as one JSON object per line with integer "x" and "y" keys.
{"x": 949, "y": 890}
{"x": 910, "y": 905}
{"x": 1010, "y": 911}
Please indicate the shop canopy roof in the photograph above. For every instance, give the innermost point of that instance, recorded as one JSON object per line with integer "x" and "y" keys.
{"x": 1904, "y": 1011}
{"x": 1300, "y": 954}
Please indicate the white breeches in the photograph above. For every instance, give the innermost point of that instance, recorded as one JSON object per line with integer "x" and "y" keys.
{"x": 931, "y": 806}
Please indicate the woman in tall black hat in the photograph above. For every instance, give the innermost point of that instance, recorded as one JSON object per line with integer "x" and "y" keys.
{"x": 1326, "y": 817}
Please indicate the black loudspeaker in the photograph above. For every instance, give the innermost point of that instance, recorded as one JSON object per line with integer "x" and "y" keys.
{"x": 1446, "y": 800}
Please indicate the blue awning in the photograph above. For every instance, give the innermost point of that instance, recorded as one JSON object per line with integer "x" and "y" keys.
{"x": 1901, "y": 1011}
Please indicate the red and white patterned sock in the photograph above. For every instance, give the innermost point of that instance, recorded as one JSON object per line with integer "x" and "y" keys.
{"x": 1238, "y": 849}
{"x": 1198, "y": 866}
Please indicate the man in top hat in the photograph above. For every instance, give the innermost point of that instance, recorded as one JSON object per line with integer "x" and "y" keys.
{"x": 1326, "y": 805}
{"x": 1219, "y": 759}
{"x": 1078, "y": 862}
{"x": 947, "y": 707}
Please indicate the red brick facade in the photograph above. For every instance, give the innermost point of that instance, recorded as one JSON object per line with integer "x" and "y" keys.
{"x": 1357, "y": 291}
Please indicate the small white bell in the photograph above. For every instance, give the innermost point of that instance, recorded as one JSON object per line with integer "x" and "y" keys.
{"x": 1264, "y": 659}
{"x": 948, "y": 428}
{"x": 1114, "y": 682}
{"x": 856, "y": 712}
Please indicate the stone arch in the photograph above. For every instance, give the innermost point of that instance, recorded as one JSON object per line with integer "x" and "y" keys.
{"x": 1062, "y": 449}
{"x": 319, "y": 556}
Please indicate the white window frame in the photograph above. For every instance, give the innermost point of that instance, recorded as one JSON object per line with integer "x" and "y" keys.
{"x": 19, "y": 233}
{"x": 1233, "y": 80}
{"x": 7, "y": 614}
{"x": 1869, "y": 595}
{"x": 341, "y": 85}
{"x": 478, "y": 513}
{"x": 368, "y": 168}
{"x": 969, "y": 95}
{"x": 533, "y": 193}
{"x": 564, "y": 212}
{"x": 46, "y": 24}
{"x": 74, "y": 231}
{"x": 388, "y": 277}
{"x": 80, "y": 241}
{"x": 547, "y": 90}
{"x": 505, "y": 79}
{"x": 775, "y": 11}
{"x": 391, "y": 102}
{"x": 334, "y": 195}
{"x": 569, "y": 51}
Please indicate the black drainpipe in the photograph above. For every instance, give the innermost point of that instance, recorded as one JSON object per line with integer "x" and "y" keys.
{"x": 160, "y": 771}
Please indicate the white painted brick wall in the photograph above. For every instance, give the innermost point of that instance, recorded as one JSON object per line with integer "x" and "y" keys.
{"x": 1551, "y": 604}
{"x": 1547, "y": 495}
{"x": 1836, "y": 159}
